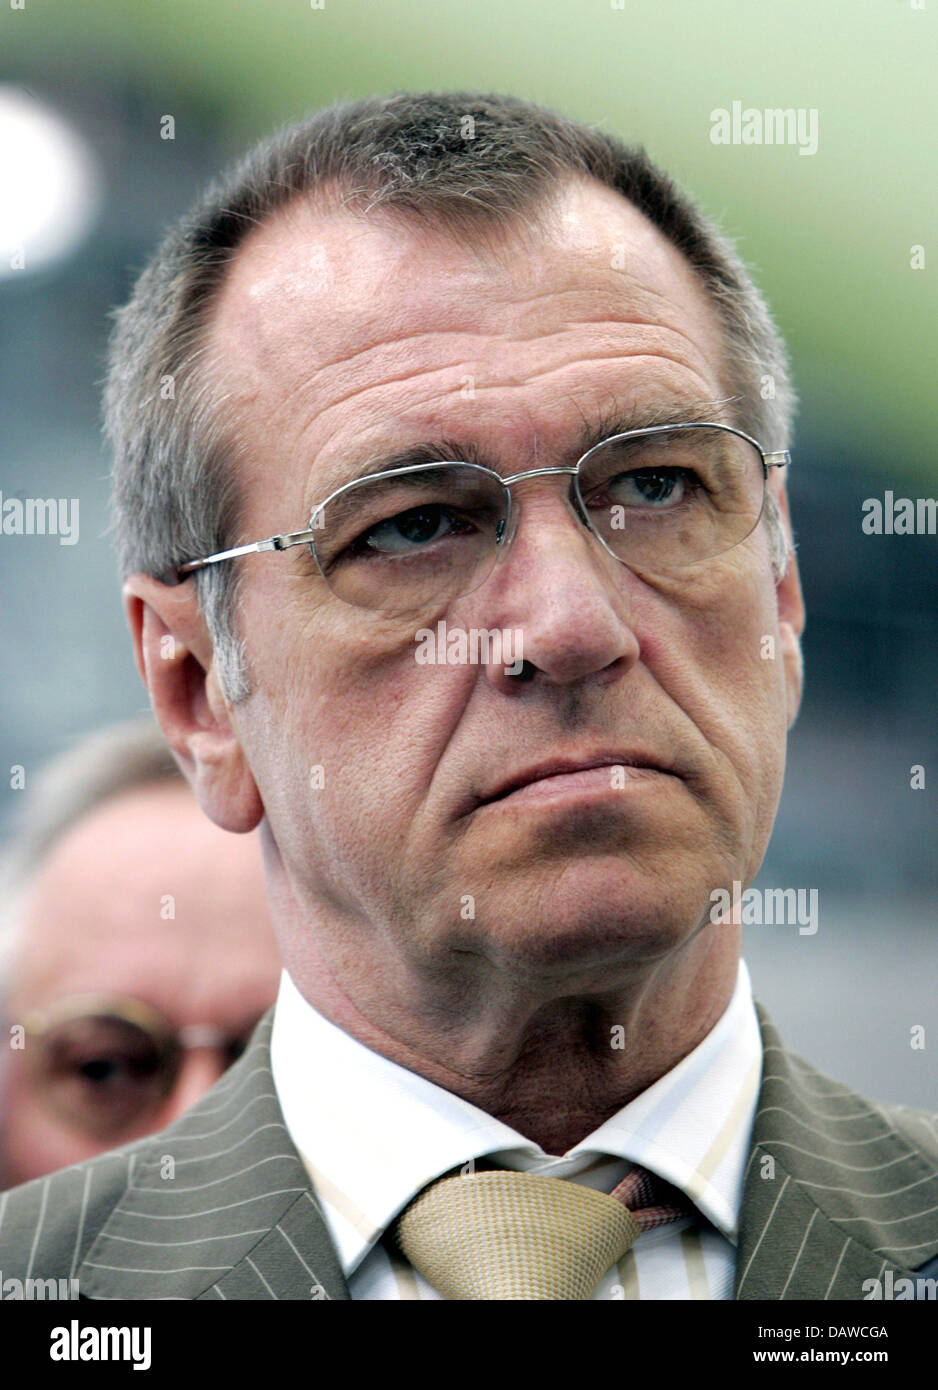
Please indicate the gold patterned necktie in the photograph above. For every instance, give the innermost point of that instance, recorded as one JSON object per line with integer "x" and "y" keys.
{"x": 508, "y": 1235}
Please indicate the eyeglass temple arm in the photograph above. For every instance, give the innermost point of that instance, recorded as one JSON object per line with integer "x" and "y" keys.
{"x": 272, "y": 543}
{"x": 781, "y": 458}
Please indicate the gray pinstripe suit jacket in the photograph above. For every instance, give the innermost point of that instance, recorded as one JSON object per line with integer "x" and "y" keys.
{"x": 219, "y": 1206}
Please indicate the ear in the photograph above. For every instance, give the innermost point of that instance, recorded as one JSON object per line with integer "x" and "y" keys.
{"x": 175, "y": 658}
{"x": 791, "y": 614}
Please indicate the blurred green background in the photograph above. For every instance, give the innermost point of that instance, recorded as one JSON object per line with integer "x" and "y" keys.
{"x": 830, "y": 238}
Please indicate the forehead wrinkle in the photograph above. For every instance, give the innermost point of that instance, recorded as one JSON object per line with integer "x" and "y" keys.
{"x": 412, "y": 375}
{"x": 625, "y": 308}
{"x": 416, "y": 373}
{"x": 310, "y": 382}
{"x": 612, "y": 418}
{"x": 382, "y": 341}
{"x": 547, "y": 373}
{"x": 266, "y": 333}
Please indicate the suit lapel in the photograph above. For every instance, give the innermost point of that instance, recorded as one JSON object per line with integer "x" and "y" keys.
{"x": 831, "y": 1191}
{"x": 218, "y": 1205}
{"x": 294, "y": 1260}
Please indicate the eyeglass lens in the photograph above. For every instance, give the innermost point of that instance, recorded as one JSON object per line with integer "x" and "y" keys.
{"x": 104, "y": 1073}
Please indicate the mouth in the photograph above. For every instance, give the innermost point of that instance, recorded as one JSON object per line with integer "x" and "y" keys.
{"x": 573, "y": 776}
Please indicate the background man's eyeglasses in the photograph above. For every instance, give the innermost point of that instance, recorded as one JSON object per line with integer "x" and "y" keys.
{"x": 409, "y": 540}
{"x": 105, "y": 1063}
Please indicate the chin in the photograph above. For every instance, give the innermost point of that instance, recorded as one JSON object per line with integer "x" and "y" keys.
{"x": 595, "y": 915}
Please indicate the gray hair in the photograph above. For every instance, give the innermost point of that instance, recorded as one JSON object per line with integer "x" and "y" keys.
{"x": 462, "y": 161}
{"x": 100, "y": 766}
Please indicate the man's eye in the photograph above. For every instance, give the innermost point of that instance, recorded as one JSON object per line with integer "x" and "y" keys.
{"x": 99, "y": 1069}
{"x": 103, "y": 1089}
{"x": 652, "y": 488}
{"x": 109, "y": 1071}
{"x": 409, "y": 531}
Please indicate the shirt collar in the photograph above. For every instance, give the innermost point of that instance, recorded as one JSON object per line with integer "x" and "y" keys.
{"x": 372, "y": 1134}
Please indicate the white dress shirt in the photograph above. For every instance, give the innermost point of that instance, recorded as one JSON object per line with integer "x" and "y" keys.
{"x": 372, "y": 1134}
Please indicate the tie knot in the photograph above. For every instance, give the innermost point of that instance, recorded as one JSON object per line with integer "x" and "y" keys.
{"x": 507, "y": 1235}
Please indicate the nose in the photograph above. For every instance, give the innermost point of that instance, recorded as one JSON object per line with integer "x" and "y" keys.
{"x": 561, "y": 601}
{"x": 201, "y": 1067}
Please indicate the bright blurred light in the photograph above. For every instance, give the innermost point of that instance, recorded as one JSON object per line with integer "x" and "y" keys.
{"x": 50, "y": 185}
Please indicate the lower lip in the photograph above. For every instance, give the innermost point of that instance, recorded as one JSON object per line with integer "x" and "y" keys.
{"x": 590, "y": 783}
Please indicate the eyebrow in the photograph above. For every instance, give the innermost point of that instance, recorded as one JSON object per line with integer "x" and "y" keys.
{"x": 611, "y": 422}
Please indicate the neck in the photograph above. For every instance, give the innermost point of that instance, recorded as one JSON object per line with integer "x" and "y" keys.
{"x": 551, "y": 1059}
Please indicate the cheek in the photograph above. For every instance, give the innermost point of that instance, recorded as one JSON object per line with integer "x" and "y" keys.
{"x": 35, "y": 1141}
{"x": 716, "y": 651}
{"x": 351, "y": 724}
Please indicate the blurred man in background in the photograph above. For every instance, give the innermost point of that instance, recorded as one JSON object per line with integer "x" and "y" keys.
{"x": 138, "y": 953}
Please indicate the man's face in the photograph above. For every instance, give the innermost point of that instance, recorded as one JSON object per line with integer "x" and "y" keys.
{"x": 345, "y": 341}
{"x": 143, "y": 901}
